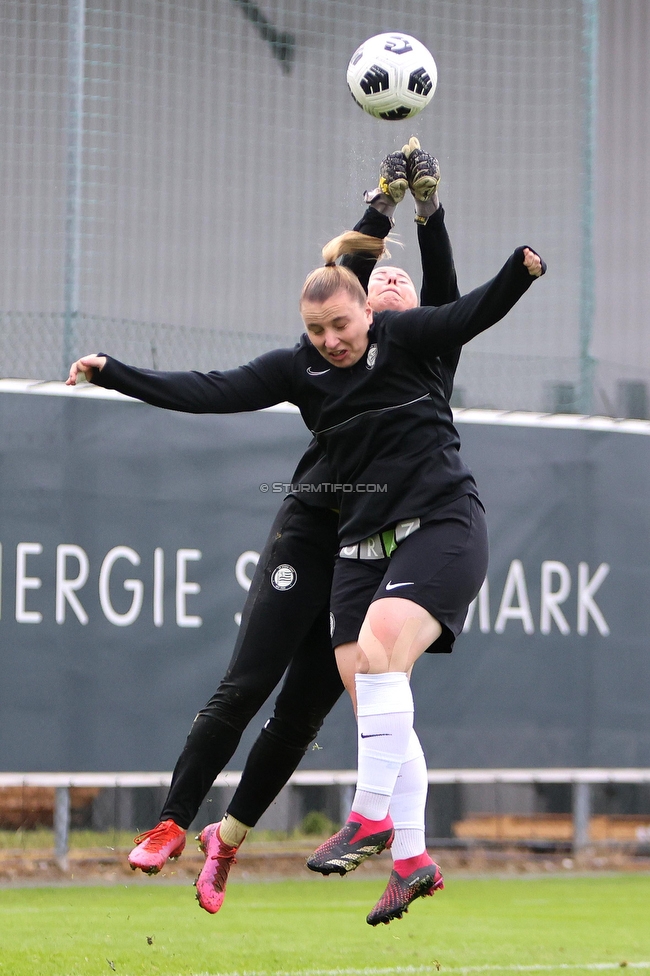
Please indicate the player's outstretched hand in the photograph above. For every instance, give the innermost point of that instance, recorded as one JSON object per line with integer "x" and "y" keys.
{"x": 85, "y": 365}
{"x": 423, "y": 171}
{"x": 393, "y": 181}
{"x": 533, "y": 262}
{"x": 393, "y": 184}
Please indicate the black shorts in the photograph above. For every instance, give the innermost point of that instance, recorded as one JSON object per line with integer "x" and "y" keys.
{"x": 441, "y": 567}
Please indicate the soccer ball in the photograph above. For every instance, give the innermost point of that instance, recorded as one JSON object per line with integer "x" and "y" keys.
{"x": 392, "y": 76}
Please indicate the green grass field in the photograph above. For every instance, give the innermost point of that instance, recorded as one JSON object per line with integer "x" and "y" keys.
{"x": 552, "y": 925}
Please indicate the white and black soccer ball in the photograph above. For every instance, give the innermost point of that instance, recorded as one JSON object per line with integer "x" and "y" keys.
{"x": 392, "y": 76}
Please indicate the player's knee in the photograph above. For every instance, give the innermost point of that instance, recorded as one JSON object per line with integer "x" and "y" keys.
{"x": 206, "y": 731}
{"x": 232, "y": 704}
{"x": 296, "y": 733}
{"x": 379, "y": 633}
{"x": 395, "y": 633}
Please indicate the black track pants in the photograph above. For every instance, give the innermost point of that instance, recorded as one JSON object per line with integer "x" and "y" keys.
{"x": 282, "y": 629}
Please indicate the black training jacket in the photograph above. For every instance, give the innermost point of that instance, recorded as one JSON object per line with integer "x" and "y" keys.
{"x": 439, "y": 286}
{"x": 384, "y": 424}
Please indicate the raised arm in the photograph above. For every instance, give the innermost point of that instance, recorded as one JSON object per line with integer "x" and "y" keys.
{"x": 261, "y": 383}
{"x": 439, "y": 281}
{"x": 431, "y": 332}
{"x": 439, "y": 284}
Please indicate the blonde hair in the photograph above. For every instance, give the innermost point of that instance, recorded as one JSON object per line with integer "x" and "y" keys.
{"x": 324, "y": 282}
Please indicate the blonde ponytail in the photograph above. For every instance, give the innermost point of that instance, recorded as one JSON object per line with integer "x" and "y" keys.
{"x": 352, "y": 242}
{"x": 324, "y": 282}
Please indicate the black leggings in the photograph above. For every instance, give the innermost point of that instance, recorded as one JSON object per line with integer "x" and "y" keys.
{"x": 284, "y": 627}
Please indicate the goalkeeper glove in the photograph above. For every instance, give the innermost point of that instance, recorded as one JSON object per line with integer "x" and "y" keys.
{"x": 393, "y": 183}
{"x": 423, "y": 172}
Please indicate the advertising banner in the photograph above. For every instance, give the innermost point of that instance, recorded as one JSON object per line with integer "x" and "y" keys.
{"x": 129, "y": 536}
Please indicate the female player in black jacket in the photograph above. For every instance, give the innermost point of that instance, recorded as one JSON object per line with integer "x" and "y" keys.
{"x": 290, "y": 626}
{"x": 386, "y": 428}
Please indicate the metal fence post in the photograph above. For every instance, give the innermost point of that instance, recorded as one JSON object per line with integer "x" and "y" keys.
{"x": 581, "y": 815}
{"x": 61, "y": 825}
{"x": 588, "y": 269}
{"x": 346, "y": 796}
{"x": 74, "y": 170}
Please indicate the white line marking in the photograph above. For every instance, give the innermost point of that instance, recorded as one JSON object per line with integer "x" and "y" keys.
{"x": 372, "y": 971}
{"x": 544, "y": 968}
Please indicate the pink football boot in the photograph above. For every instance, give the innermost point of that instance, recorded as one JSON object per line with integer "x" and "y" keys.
{"x": 166, "y": 840}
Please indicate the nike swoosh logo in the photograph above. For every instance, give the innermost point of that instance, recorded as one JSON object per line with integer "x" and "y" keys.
{"x": 393, "y": 586}
{"x": 373, "y": 735}
{"x": 313, "y": 372}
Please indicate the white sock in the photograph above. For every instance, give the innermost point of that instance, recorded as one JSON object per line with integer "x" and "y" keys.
{"x": 408, "y": 803}
{"x": 385, "y": 723}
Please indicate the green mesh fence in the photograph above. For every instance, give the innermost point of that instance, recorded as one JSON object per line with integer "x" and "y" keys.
{"x": 171, "y": 169}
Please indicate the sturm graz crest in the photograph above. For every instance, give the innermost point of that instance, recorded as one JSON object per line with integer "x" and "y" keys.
{"x": 371, "y": 358}
{"x": 283, "y": 577}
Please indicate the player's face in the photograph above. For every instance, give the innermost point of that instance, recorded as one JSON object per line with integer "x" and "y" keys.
{"x": 391, "y": 288}
{"x": 338, "y": 327}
